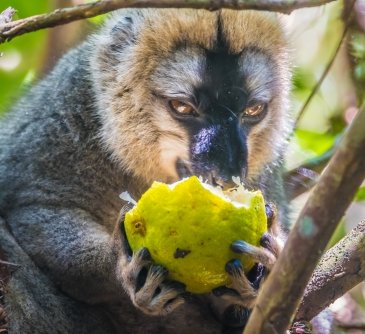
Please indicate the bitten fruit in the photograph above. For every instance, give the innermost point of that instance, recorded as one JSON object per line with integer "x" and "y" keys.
{"x": 188, "y": 228}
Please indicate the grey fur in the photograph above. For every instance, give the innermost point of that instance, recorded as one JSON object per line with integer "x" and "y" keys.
{"x": 60, "y": 177}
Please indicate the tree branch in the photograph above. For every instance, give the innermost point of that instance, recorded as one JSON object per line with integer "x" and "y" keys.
{"x": 66, "y": 15}
{"x": 281, "y": 293}
{"x": 341, "y": 268}
{"x": 301, "y": 179}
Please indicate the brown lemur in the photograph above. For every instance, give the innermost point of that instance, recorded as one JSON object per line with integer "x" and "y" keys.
{"x": 154, "y": 95}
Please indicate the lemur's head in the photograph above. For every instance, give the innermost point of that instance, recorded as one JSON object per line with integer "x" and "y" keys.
{"x": 185, "y": 92}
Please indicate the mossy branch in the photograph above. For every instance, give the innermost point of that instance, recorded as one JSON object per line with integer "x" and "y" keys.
{"x": 311, "y": 233}
{"x": 9, "y": 30}
{"x": 341, "y": 268}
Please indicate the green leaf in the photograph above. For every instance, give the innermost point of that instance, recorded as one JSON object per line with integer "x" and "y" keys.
{"x": 359, "y": 70}
{"x": 360, "y": 195}
{"x": 314, "y": 141}
{"x": 358, "y": 46}
{"x": 303, "y": 80}
{"x": 339, "y": 233}
{"x": 22, "y": 55}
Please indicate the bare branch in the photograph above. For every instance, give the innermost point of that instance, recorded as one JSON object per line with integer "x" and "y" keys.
{"x": 311, "y": 233}
{"x": 66, "y": 15}
{"x": 301, "y": 179}
{"x": 340, "y": 269}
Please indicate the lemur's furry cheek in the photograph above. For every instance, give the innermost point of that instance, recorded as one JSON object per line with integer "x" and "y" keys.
{"x": 172, "y": 149}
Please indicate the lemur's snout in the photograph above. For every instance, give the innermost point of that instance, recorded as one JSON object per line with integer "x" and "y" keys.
{"x": 212, "y": 177}
{"x": 218, "y": 153}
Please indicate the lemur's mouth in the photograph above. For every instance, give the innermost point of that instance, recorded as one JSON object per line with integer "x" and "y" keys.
{"x": 215, "y": 180}
{"x": 212, "y": 177}
{"x": 183, "y": 169}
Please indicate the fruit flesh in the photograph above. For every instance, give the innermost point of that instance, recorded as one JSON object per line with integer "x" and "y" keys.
{"x": 188, "y": 229}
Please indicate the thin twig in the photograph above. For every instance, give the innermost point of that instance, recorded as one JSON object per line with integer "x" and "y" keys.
{"x": 66, "y": 15}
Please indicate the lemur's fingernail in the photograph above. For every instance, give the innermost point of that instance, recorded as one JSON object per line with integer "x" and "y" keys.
{"x": 145, "y": 254}
{"x": 159, "y": 270}
{"x": 223, "y": 290}
{"x": 269, "y": 211}
{"x": 240, "y": 247}
{"x": 234, "y": 267}
{"x": 266, "y": 240}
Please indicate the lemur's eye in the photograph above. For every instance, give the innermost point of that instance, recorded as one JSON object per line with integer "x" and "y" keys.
{"x": 254, "y": 110}
{"x": 182, "y": 108}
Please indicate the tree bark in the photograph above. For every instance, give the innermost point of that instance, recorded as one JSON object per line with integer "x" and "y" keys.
{"x": 66, "y": 15}
{"x": 340, "y": 269}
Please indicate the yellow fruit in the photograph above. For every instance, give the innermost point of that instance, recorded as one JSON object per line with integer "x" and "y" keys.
{"x": 188, "y": 228}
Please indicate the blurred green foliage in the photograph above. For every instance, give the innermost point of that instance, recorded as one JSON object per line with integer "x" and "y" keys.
{"x": 360, "y": 195}
{"x": 23, "y": 56}
{"x": 358, "y": 53}
{"x": 318, "y": 143}
{"x": 23, "y": 59}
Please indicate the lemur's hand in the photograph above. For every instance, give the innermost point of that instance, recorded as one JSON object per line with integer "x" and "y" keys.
{"x": 145, "y": 282}
{"x": 237, "y": 300}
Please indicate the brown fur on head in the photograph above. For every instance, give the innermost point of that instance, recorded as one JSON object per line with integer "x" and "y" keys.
{"x": 144, "y": 58}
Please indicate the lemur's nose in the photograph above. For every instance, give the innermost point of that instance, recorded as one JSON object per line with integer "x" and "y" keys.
{"x": 219, "y": 152}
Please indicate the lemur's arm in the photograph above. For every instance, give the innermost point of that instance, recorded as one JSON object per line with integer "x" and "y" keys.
{"x": 88, "y": 263}
{"x": 71, "y": 247}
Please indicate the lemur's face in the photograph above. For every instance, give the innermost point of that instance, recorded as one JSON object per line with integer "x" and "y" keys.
{"x": 220, "y": 100}
{"x": 197, "y": 93}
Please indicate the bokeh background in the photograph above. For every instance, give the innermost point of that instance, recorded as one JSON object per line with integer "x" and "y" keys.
{"x": 315, "y": 35}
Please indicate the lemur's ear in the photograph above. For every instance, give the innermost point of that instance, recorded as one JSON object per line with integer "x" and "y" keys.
{"x": 124, "y": 29}
{"x": 119, "y": 32}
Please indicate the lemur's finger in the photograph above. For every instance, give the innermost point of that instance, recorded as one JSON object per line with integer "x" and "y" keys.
{"x": 258, "y": 254}
{"x": 235, "y": 316}
{"x": 272, "y": 218}
{"x": 269, "y": 214}
{"x": 124, "y": 244}
{"x": 119, "y": 241}
{"x": 154, "y": 295}
{"x": 269, "y": 242}
{"x": 234, "y": 267}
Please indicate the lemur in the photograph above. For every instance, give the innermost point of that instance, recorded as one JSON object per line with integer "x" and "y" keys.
{"x": 155, "y": 94}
